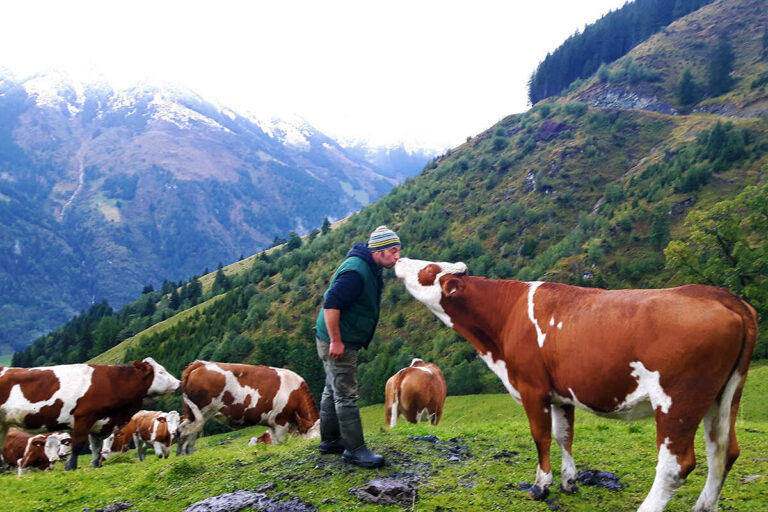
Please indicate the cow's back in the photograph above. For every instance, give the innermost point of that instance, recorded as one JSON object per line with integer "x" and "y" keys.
{"x": 15, "y": 446}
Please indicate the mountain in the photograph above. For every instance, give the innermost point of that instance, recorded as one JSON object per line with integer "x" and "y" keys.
{"x": 596, "y": 187}
{"x": 103, "y": 191}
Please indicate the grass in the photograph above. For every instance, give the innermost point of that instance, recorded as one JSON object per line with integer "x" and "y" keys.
{"x": 5, "y": 360}
{"x": 486, "y": 478}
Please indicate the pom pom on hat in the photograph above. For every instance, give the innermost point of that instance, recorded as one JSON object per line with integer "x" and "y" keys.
{"x": 383, "y": 238}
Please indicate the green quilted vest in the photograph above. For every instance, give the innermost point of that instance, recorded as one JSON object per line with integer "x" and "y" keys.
{"x": 358, "y": 322}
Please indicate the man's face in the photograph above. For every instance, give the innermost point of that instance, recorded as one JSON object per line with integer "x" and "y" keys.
{"x": 388, "y": 257}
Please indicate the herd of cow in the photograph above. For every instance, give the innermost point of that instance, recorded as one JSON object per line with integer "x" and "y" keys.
{"x": 100, "y": 403}
{"x": 680, "y": 355}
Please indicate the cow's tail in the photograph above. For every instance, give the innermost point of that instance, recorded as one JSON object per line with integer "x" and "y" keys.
{"x": 749, "y": 333}
{"x": 193, "y": 418}
{"x": 307, "y": 414}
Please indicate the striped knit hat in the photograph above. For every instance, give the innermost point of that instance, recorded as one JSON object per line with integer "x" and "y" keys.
{"x": 382, "y": 238}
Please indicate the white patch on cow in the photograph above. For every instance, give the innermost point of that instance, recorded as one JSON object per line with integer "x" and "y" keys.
{"x": 2, "y": 372}
{"x": 543, "y": 480}
{"x": 500, "y": 369}
{"x": 162, "y": 382}
{"x": 239, "y": 393}
{"x": 573, "y": 400}
{"x": 313, "y": 432}
{"x": 74, "y": 379}
{"x": 665, "y": 484}
{"x": 540, "y": 336}
{"x": 416, "y": 360}
{"x": 394, "y": 412}
{"x": 717, "y": 425}
{"x": 640, "y": 403}
{"x": 648, "y": 389}
{"x": 289, "y": 382}
{"x": 52, "y": 448}
{"x": 106, "y": 445}
{"x": 552, "y": 321}
{"x": 560, "y": 325}
{"x": 172, "y": 419}
{"x": 408, "y": 270}
{"x": 423, "y": 368}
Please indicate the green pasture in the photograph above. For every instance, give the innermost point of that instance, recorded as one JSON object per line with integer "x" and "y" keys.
{"x": 489, "y": 431}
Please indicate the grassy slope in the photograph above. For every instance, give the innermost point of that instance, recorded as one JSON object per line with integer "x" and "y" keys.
{"x": 486, "y": 424}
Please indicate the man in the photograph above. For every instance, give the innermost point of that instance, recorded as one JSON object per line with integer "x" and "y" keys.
{"x": 345, "y": 325}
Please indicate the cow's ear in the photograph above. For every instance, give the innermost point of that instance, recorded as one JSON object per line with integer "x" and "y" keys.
{"x": 161, "y": 420}
{"x": 141, "y": 365}
{"x": 451, "y": 285}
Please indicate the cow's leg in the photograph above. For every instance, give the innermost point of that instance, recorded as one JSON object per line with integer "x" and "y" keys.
{"x": 141, "y": 447}
{"x": 540, "y": 423}
{"x": 279, "y": 433}
{"x": 722, "y": 446}
{"x": 96, "y": 442}
{"x": 80, "y": 430}
{"x": 675, "y": 434}
{"x": 3, "y": 435}
{"x": 562, "y": 427}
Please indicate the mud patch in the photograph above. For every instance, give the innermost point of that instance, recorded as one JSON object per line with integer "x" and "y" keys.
{"x": 238, "y": 500}
{"x": 451, "y": 449}
{"x": 602, "y": 478}
{"x": 387, "y": 491}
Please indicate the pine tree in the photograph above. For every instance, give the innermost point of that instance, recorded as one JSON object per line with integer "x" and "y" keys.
{"x": 720, "y": 67}
{"x": 686, "y": 89}
{"x": 326, "y": 226}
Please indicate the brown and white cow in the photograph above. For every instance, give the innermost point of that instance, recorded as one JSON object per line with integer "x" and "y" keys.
{"x": 88, "y": 399}
{"x": 679, "y": 354}
{"x": 119, "y": 441}
{"x": 243, "y": 394}
{"x": 416, "y": 392}
{"x": 65, "y": 444}
{"x": 157, "y": 429}
{"x": 30, "y": 451}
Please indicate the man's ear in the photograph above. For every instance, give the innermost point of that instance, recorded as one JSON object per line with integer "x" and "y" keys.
{"x": 451, "y": 285}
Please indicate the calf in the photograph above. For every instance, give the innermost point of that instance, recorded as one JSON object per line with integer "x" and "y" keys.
{"x": 119, "y": 441}
{"x": 679, "y": 354}
{"x": 88, "y": 399}
{"x": 243, "y": 394}
{"x": 416, "y": 392}
{"x": 28, "y": 451}
{"x": 155, "y": 428}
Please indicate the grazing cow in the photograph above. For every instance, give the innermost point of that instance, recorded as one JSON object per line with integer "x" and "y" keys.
{"x": 243, "y": 394}
{"x": 679, "y": 354}
{"x": 155, "y": 428}
{"x": 29, "y": 451}
{"x": 88, "y": 399}
{"x": 65, "y": 444}
{"x": 416, "y": 392}
{"x": 119, "y": 441}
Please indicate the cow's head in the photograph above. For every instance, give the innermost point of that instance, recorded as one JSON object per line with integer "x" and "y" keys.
{"x": 65, "y": 444}
{"x": 173, "y": 420}
{"x": 41, "y": 452}
{"x": 429, "y": 282}
{"x": 162, "y": 382}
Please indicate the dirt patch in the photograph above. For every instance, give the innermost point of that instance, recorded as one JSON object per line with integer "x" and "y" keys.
{"x": 238, "y": 500}
{"x": 387, "y": 491}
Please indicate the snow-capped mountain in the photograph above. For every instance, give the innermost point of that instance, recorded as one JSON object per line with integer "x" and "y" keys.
{"x": 103, "y": 191}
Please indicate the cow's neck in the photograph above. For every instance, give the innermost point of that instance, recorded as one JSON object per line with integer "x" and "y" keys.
{"x": 483, "y": 321}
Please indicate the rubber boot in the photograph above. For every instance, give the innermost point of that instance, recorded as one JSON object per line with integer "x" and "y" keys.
{"x": 352, "y": 435}
{"x": 330, "y": 435}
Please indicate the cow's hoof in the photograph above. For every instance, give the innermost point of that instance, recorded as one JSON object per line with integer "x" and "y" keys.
{"x": 538, "y": 494}
{"x": 571, "y": 489}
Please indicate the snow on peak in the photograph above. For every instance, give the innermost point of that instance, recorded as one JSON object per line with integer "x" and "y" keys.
{"x": 291, "y": 130}
{"x": 54, "y": 89}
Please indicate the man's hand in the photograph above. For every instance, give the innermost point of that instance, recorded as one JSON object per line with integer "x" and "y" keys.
{"x": 337, "y": 349}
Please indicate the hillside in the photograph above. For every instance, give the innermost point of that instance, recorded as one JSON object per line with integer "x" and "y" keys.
{"x": 104, "y": 191}
{"x": 488, "y": 435}
{"x": 568, "y": 192}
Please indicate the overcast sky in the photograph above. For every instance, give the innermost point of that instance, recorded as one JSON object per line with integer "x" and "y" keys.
{"x": 420, "y": 71}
